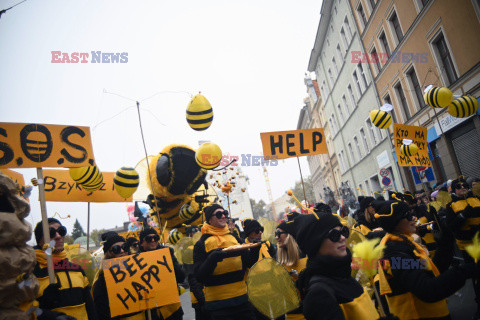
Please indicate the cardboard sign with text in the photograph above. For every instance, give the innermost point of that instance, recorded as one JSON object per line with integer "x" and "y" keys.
{"x": 59, "y": 186}
{"x": 296, "y": 143}
{"x": 140, "y": 282}
{"x": 15, "y": 176}
{"x": 419, "y": 137}
{"x": 33, "y": 145}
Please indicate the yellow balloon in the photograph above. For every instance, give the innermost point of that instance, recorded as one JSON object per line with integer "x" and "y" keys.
{"x": 174, "y": 236}
{"x": 409, "y": 150}
{"x": 208, "y": 155}
{"x": 380, "y": 118}
{"x": 90, "y": 178}
{"x": 463, "y": 107}
{"x": 199, "y": 113}
{"x": 126, "y": 181}
{"x": 186, "y": 212}
{"x": 438, "y": 97}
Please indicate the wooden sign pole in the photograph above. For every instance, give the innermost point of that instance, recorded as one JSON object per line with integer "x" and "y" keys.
{"x": 88, "y": 227}
{"x": 301, "y": 176}
{"x": 45, "y": 225}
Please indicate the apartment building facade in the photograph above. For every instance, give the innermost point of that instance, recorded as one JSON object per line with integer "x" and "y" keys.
{"x": 348, "y": 94}
{"x": 418, "y": 43}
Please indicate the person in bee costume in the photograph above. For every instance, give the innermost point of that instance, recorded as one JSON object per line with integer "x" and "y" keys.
{"x": 149, "y": 241}
{"x": 366, "y": 222}
{"x": 254, "y": 231}
{"x": 327, "y": 288}
{"x": 290, "y": 256}
{"x": 114, "y": 246}
{"x": 69, "y": 297}
{"x": 416, "y": 287}
{"x": 222, "y": 271}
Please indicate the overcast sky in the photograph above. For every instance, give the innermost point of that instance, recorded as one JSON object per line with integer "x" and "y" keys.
{"x": 247, "y": 57}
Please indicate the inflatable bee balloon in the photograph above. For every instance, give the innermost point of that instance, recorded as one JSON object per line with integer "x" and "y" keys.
{"x": 186, "y": 212}
{"x": 438, "y": 97}
{"x": 126, "y": 181}
{"x": 409, "y": 150}
{"x": 208, "y": 155}
{"x": 90, "y": 178}
{"x": 463, "y": 107}
{"x": 199, "y": 113}
{"x": 380, "y": 118}
{"x": 174, "y": 236}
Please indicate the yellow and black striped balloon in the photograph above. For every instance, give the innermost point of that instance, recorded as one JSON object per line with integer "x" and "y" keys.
{"x": 409, "y": 150}
{"x": 380, "y": 118}
{"x": 438, "y": 97}
{"x": 90, "y": 178}
{"x": 174, "y": 236}
{"x": 199, "y": 113}
{"x": 186, "y": 212}
{"x": 126, "y": 181}
{"x": 463, "y": 107}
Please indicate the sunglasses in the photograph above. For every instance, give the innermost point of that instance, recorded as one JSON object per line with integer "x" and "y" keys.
{"x": 152, "y": 238}
{"x": 279, "y": 233}
{"x": 335, "y": 235}
{"x": 219, "y": 214}
{"x": 257, "y": 231}
{"x": 116, "y": 249}
{"x": 461, "y": 185}
{"x": 62, "y": 231}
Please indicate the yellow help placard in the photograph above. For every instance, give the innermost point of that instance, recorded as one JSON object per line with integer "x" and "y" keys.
{"x": 419, "y": 137}
{"x": 59, "y": 186}
{"x": 296, "y": 143}
{"x": 33, "y": 145}
{"x": 140, "y": 282}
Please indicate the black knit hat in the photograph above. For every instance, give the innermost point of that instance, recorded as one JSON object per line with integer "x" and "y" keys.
{"x": 250, "y": 225}
{"x": 322, "y": 208}
{"x": 457, "y": 182}
{"x": 391, "y": 213}
{"x": 309, "y": 230}
{"x": 110, "y": 240}
{"x": 283, "y": 225}
{"x": 365, "y": 203}
{"x": 209, "y": 210}
{"x": 292, "y": 215}
{"x": 38, "y": 231}
{"x": 146, "y": 232}
{"x": 131, "y": 241}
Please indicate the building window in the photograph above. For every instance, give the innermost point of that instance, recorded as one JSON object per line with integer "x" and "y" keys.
{"x": 328, "y": 43}
{"x": 352, "y": 96}
{"x": 326, "y": 89}
{"x": 412, "y": 76}
{"x": 376, "y": 61}
{"x": 344, "y": 39}
{"x": 367, "y": 187}
{"x": 365, "y": 142}
{"x": 445, "y": 59}
{"x": 331, "y": 77}
{"x": 352, "y": 154}
{"x": 361, "y": 14}
{"x": 345, "y": 163}
{"x": 357, "y": 83}
{"x": 388, "y": 100}
{"x": 331, "y": 28}
{"x": 362, "y": 75}
{"x": 334, "y": 121}
{"x": 373, "y": 134}
{"x": 383, "y": 41}
{"x": 335, "y": 67}
{"x": 345, "y": 104}
{"x": 396, "y": 26}
{"x": 349, "y": 30}
{"x": 357, "y": 146}
{"x": 339, "y": 54}
{"x": 335, "y": 10}
{"x": 340, "y": 114}
{"x": 361, "y": 189}
{"x": 402, "y": 100}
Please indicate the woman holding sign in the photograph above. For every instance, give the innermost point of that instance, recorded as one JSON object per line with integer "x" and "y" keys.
{"x": 114, "y": 247}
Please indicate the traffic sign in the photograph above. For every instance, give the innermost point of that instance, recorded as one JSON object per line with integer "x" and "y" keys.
{"x": 384, "y": 172}
{"x": 386, "y": 181}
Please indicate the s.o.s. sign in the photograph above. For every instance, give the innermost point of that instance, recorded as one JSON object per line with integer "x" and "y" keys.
{"x": 36, "y": 145}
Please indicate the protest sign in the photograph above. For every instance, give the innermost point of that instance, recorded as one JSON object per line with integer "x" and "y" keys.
{"x": 59, "y": 186}
{"x": 140, "y": 282}
{"x": 296, "y": 143}
{"x": 15, "y": 176}
{"x": 419, "y": 137}
{"x": 35, "y": 145}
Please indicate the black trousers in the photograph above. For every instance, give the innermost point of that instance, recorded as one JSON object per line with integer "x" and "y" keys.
{"x": 241, "y": 312}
